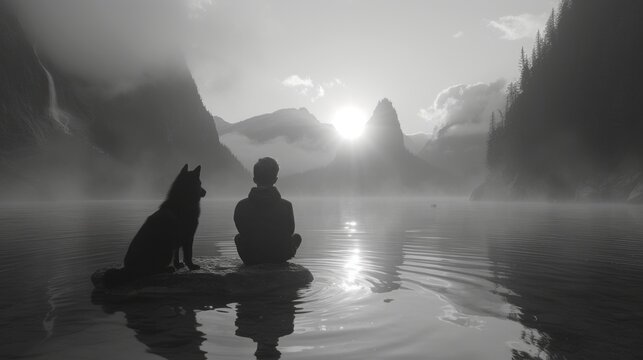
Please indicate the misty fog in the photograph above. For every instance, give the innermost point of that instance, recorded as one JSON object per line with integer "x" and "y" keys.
{"x": 234, "y": 179}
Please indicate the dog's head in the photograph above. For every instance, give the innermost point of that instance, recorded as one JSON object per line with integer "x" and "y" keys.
{"x": 187, "y": 185}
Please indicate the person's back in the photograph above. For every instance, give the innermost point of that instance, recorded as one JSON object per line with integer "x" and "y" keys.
{"x": 265, "y": 221}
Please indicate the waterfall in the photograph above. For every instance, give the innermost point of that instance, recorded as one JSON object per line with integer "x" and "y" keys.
{"x": 60, "y": 117}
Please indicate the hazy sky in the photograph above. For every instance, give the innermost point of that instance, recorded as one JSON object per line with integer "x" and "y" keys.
{"x": 441, "y": 62}
{"x": 253, "y": 57}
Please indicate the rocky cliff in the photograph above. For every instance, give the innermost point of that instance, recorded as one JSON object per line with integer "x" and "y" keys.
{"x": 62, "y": 135}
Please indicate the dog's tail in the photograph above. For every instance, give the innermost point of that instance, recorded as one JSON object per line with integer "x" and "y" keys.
{"x": 115, "y": 277}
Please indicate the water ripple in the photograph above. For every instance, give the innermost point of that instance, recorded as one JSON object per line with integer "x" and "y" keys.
{"x": 393, "y": 279}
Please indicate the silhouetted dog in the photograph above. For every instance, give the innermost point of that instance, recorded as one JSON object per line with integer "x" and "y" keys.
{"x": 171, "y": 227}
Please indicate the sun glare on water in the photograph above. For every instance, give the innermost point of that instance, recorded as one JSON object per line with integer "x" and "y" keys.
{"x": 349, "y": 122}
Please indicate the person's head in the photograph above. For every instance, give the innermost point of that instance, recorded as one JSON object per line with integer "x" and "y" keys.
{"x": 265, "y": 172}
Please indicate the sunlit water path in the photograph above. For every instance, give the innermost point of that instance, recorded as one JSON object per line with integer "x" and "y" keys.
{"x": 394, "y": 279}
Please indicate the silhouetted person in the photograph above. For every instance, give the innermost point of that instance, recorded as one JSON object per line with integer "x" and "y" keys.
{"x": 265, "y": 221}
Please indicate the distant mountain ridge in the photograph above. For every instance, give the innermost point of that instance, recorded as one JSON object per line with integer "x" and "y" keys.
{"x": 377, "y": 163}
{"x": 463, "y": 156}
{"x": 292, "y": 124}
{"x": 414, "y": 143}
{"x": 291, "y": 133}
{"x": 294, "y": 137}
{"x": 221, "y": 125}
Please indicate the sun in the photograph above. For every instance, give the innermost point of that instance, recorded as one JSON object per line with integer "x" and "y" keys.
{"x": 350, "y": 121}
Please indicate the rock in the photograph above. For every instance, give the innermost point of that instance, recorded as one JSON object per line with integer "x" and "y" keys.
{"x": 218, "y": 276}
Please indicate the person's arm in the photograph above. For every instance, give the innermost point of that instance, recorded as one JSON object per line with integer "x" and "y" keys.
{"x": 238, "y": 218}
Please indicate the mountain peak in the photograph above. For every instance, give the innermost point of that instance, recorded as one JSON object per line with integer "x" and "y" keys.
{"x": 384, "y": 126}
{"x": 291, "y": 114}
{"x": 291, "y": 123}
{"x": 384, "y": 106}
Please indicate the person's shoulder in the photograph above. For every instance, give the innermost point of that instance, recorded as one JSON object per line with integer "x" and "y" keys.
{"x": 285, "y": 202}
{"x": 243, "y": 203}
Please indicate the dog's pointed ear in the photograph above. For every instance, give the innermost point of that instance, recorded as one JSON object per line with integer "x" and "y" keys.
{"x": 184, "y": 169}
{"x": 197, "y": 170}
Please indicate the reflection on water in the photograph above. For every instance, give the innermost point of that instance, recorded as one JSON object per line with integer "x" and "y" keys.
{"x": 167, "y": 327}
{"x": 352, "y": 270}
{"x": 393, "y": 279}
{"x": 265, "y": 319}
{"x": 576, "y": 299}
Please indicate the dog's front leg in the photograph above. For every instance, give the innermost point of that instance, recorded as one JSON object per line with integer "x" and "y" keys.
{"x": 187, "y": 257}
{"x": 175, "y": 259}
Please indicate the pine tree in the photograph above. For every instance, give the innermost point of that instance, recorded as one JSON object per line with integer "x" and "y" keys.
{"x": 512, "y": 94}
{"x": 534, "y": 56}
{"x": 563, "y": 9}
{"x": 550, "y": 29}
{"x": 581, "y": 84}
{"x": 538, "y": 46}
{"x": 525, "y": 71}
{"x": 491, "y": 160}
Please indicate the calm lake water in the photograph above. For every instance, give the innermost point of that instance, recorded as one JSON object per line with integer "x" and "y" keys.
{"x": 394, "y": 279}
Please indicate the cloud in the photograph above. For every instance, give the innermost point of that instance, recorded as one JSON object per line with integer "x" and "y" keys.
{"x": 333, "y": 83}
{"x": 458, "y": 35}
{"x": 304, "y": 86}
{"x": 514, "y": 27}
{"x": 320, "y": 94}
{"x": 464, "y": 109}
{"x": 460, "y": 118}
{"x": 296, "y": 81}
{"x": 198, "y": 8}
